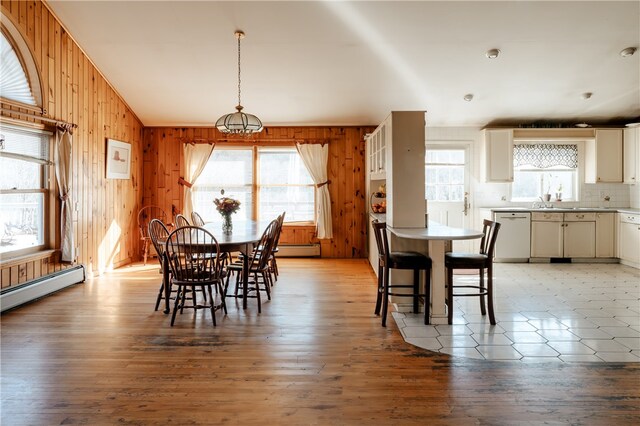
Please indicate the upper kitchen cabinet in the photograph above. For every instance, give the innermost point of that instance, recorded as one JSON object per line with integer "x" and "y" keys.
{"x": 631, "y": 155}
{"x": 603, "y": 157}
{"x": 377, "y": 147}
{"x": 498, "y": 152}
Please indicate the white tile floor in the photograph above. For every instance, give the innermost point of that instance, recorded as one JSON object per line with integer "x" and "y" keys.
{"x": 544, "y": 313}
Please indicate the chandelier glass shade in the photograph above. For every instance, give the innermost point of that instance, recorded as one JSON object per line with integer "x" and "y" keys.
{"x": 238, "y": 121}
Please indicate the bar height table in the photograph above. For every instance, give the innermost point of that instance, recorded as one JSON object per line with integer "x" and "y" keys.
{"x": 437, "y": 237}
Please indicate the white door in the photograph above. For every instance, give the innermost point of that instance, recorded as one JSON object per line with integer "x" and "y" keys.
{"x": 447, "y": 188}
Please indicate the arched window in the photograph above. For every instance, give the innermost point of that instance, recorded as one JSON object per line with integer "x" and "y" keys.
{"x": 25, "y": 163}
{"x": 19, "y": 79}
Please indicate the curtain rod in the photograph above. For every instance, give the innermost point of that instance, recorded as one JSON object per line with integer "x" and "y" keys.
{"x": 38, "y": 117}
{"x": 202, "y": 140}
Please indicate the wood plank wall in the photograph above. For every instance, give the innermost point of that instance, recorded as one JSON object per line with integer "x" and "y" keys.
{"x": 163, "y": 159}
{"x": 106, "y": 233}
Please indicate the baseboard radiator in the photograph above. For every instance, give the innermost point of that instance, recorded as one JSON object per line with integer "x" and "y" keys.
{"x": 298, "y": 250}
{"x": 40, "y": 287}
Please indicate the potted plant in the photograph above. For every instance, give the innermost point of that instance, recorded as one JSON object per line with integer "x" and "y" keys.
{"x": 559, "y": 193}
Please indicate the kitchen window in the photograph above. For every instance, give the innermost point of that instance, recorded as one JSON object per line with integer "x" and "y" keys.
{"x": 267, "y": 181}
{"x": 24, "y": 189}
{"x": 545, "y": 168}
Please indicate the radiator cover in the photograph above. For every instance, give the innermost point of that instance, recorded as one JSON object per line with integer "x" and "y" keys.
{"x": 298, "y": 250}
{"x": 40, "y": 287}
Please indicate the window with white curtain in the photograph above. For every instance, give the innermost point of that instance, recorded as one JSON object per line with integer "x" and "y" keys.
{"x": 280, "y": 183}
{"x": 24, "y": 189}
{"x": 284, "y": 186}
{"x": 231, "y": 170}
{"x": 545, "y": 168}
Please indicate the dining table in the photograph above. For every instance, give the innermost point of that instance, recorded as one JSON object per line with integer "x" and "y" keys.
{"x": 438, "y": 238}
{"x": 242, "y": 238}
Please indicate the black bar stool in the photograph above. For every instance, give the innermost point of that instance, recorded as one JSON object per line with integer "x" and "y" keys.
{"x": 400, "y": 260}
{"x": 479, "y": 261}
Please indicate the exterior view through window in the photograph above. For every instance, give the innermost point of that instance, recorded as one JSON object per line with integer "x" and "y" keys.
{"x": 280, "y": 183}
{"x": 444, "y": 174}
{"x": 24, "y": 154}
{"x": 540, "y": 169}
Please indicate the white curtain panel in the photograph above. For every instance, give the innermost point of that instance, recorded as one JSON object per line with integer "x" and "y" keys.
{"x": 315, "y": 158}
{"x": 63, "y": 177}
{"x": 195, "y": 159}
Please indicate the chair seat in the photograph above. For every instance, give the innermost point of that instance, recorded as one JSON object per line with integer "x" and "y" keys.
{"x": 408, "y": 260}
{"x": 466, "y": 260}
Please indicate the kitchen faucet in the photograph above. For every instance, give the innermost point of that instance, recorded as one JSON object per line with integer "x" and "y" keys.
{"x": 541, "y": 205}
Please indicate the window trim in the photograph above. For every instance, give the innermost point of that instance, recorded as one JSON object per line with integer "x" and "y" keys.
{"x": 451, "y": 146}
{"x": 255, "y": 147}
{"x": 47, "y": 187}
{"x": 580, "y": 168}
{"x": 26, "y": 58}
{"x": 257, "y": 192}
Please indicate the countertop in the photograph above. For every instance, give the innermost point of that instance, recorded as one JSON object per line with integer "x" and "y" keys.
{"x": 629, "y": 210}
{"x": 435, "y": 231}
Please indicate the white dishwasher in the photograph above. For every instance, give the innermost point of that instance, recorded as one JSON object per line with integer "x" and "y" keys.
{"x": 514, "y": 238}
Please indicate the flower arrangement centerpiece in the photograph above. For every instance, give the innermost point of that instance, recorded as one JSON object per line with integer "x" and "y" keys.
{"x": 226, "y": 207}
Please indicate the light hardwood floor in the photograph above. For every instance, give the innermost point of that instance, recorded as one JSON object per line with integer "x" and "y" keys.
{"x": 98, "y": 354}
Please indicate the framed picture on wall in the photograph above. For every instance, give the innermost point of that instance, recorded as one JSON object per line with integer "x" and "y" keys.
{"x": 118, "y": 159}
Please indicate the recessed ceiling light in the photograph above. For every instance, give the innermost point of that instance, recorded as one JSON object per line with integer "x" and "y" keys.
{"x": 629, "y": 51}
{"x": 493, "y": 53}
{"x": 468, "y": 97}
{"x": 586, "y": 95}
{"x": 583, "y": 125}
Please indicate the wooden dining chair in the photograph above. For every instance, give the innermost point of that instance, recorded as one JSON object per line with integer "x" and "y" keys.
{"x": 182, "y": 221}
{"x": 273, "y": 264}
{"x": 158, "y": 234}
{"x": 258, "y": 267}
{"x": 388, "y": 260}
{"x": 196, "y": 219}
{"x": 145, "y": 216}
{"x": 189, "y": 273}
{"x": 481, "y": 261}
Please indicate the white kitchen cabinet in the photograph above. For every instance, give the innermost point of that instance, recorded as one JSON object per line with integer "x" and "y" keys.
{"x": 605, "y": 234}
{"x": 579, "y": 239}
{"x": 603, "y": 157}
{"x": 631, "y": 155}
{"x": 629, "y": 239}
{"x": 498, "y": 152}
{"x": 563, "y": 235}
{"x": 377, "y": 142}
{"x": 546, "y": 239}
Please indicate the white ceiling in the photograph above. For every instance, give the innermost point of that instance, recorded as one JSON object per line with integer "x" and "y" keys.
{"x": 346, "y": 63}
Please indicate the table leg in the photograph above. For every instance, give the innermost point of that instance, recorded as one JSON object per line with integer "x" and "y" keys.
{"x": 438, "y": 276}
{"x": 166, "y": 283}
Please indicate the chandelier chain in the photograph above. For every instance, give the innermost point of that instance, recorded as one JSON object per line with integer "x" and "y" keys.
{"x": 239, "y": 103}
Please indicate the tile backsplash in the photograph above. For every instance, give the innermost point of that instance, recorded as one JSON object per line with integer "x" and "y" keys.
{"x": 591, "y": 195}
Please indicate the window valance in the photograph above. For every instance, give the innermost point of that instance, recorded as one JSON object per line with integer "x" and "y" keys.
{"x": 544, "y": 156}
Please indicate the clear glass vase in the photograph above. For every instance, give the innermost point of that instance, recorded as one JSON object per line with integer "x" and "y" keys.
{"x": 227, "y": 225}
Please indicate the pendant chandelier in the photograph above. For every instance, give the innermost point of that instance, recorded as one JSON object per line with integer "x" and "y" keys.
{"x": 239, "y": 122}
